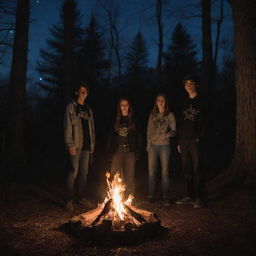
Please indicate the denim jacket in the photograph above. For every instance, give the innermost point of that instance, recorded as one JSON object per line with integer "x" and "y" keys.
{"x": 73, "y": 129}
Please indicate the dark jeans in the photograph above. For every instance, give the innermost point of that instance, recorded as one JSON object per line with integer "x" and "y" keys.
{"x": 78, "y": 173}
{"x": 190, "y": 157}
{"x": 124, "y": 162}
{"x": 163, "y": 152}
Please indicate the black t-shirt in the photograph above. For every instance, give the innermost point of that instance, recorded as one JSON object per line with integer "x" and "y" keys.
{"x": 83, "y": 112}
{"x": 192, "y": 120}
{"x": 123, "y": 131}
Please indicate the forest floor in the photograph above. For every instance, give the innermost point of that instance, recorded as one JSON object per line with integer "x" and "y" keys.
{"x": 31, "y": 215}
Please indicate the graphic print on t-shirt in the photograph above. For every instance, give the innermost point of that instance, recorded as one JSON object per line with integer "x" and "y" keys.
{"x": 190, "y": 113}
{"x": 159, "y": 125}
{"x": 123, "y": 130}
{"x": 83, "y": 114}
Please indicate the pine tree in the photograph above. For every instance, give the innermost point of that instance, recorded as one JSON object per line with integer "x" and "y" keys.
{"x": 137, "y": 56}
{"x": 180, "y": 59}
{"x": 92, "y": 63}
{"x": 58, "y": 67}
{"x": 136, "y": 64}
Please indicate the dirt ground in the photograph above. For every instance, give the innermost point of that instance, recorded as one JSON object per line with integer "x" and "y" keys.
{"x": 31, "y": 215}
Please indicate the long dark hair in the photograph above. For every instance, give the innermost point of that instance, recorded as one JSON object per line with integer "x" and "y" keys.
{"x": 155, "y": 109}
{"x": 131, "y": 123}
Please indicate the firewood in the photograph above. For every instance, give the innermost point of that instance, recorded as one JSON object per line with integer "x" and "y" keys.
{"x": 105, "y": 210}
{"x": 134, "y": 214}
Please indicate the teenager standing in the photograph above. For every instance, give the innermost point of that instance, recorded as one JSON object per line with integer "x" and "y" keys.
{"x": 124, "y": 143}
{"x": 191, "y": 131}
{"x": 79, "y": 136}
{"x": 161, "y": 127}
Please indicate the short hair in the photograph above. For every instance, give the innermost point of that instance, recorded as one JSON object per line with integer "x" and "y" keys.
{"x": 191, "y": 78}
{"x": 82, "y": 84}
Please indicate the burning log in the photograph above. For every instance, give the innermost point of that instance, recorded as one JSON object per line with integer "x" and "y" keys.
{"x": 116, "y": 218}
{"x": 134, "y": 214}
{"x": 105, "y": 210}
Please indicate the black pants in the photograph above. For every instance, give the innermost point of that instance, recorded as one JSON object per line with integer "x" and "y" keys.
{"x": 124, "y": 162}
{"x": 190, "y": 157}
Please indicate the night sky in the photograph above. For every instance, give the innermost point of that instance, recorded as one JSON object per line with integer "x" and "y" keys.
{"x": 135, "y": 15}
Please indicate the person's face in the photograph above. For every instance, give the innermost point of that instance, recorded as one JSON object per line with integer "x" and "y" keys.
{"x": 124, "y": 106}
{"x": 160, "y": 102}
{"x": 190, "y": 86}
{"x": 82, "y": 93}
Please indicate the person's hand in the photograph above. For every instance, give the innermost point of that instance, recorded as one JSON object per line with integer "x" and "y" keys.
{"x": 178, "y": 147}
{"x": 72, "y": 151}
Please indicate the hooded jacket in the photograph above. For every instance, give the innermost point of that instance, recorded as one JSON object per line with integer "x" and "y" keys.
{"x": 73, "y": 129}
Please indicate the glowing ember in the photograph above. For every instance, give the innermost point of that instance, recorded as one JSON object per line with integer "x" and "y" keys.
{"x": 116, "y": 212}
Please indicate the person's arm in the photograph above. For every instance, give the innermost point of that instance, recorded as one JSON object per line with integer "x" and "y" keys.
{"x": 68, "y": 131}
{"x": 93, "y": 130}
{"x": 138, "y": 139}
{"x": 150, "y": 129}
{"x": 203, "y": 119}
{"x": 171, "y": 125}
{"x": 110, "y": 141}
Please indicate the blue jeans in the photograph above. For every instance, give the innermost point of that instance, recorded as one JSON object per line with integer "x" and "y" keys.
{"x": 163, "y": 152}
{"x": 79, "y": 164}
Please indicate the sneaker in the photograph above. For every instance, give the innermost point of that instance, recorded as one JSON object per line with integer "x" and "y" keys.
{"x": 69, "y": 206}
{"x": 166, "y": 202}
{"x": 185, "y": 200}
{"x": 198, "y": 203}
{"x": 86, "y": 203}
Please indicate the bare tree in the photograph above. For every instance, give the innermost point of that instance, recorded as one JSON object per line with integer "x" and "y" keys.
{"x": 112, "y": 12}
{"x": 218, "y": 30}
{"x": 208, "y": 18}
{"x": 159, "y": 6}
{"x": 207, "y": 62}
{"x": 17, "y": 93}
{"x": 70, "y": 17}
{"x": 243, "y": 165}
{"x": 7, "y": 12}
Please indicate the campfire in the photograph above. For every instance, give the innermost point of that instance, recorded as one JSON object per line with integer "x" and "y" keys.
{"x": 116, "y": 212}
{"x": 115, "y": 220}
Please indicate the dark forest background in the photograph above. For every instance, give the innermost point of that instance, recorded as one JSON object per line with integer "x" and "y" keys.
{"x": 31, "y": 123}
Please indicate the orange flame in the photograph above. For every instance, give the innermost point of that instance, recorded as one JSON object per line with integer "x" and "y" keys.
{"x": 115, "y": 192}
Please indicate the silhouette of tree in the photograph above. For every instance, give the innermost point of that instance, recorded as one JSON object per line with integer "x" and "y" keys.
{"x": 180, "y": 60}
{"x": 58, "y": 64}
{"x": 15, "y": 137}
{"x": 243, "y": 165}
{"x": 92, "y": 64}
{"x": 207, "y": 66}
{"x": 137, "y": 56}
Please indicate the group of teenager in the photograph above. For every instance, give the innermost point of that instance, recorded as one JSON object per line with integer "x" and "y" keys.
{"x": 124, "y": 143}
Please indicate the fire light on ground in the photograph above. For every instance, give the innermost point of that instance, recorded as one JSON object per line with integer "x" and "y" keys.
{"x": 116, "y": 212}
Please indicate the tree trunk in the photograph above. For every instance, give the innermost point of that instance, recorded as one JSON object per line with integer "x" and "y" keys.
{"x": 160, "y": 40}
{"x": 217, "y": 41}
{"x": 207, "y": 63}
{"x": 243, "y": 166}
{"x": 68, "y": 58}
{"x": 15, "y": 145}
